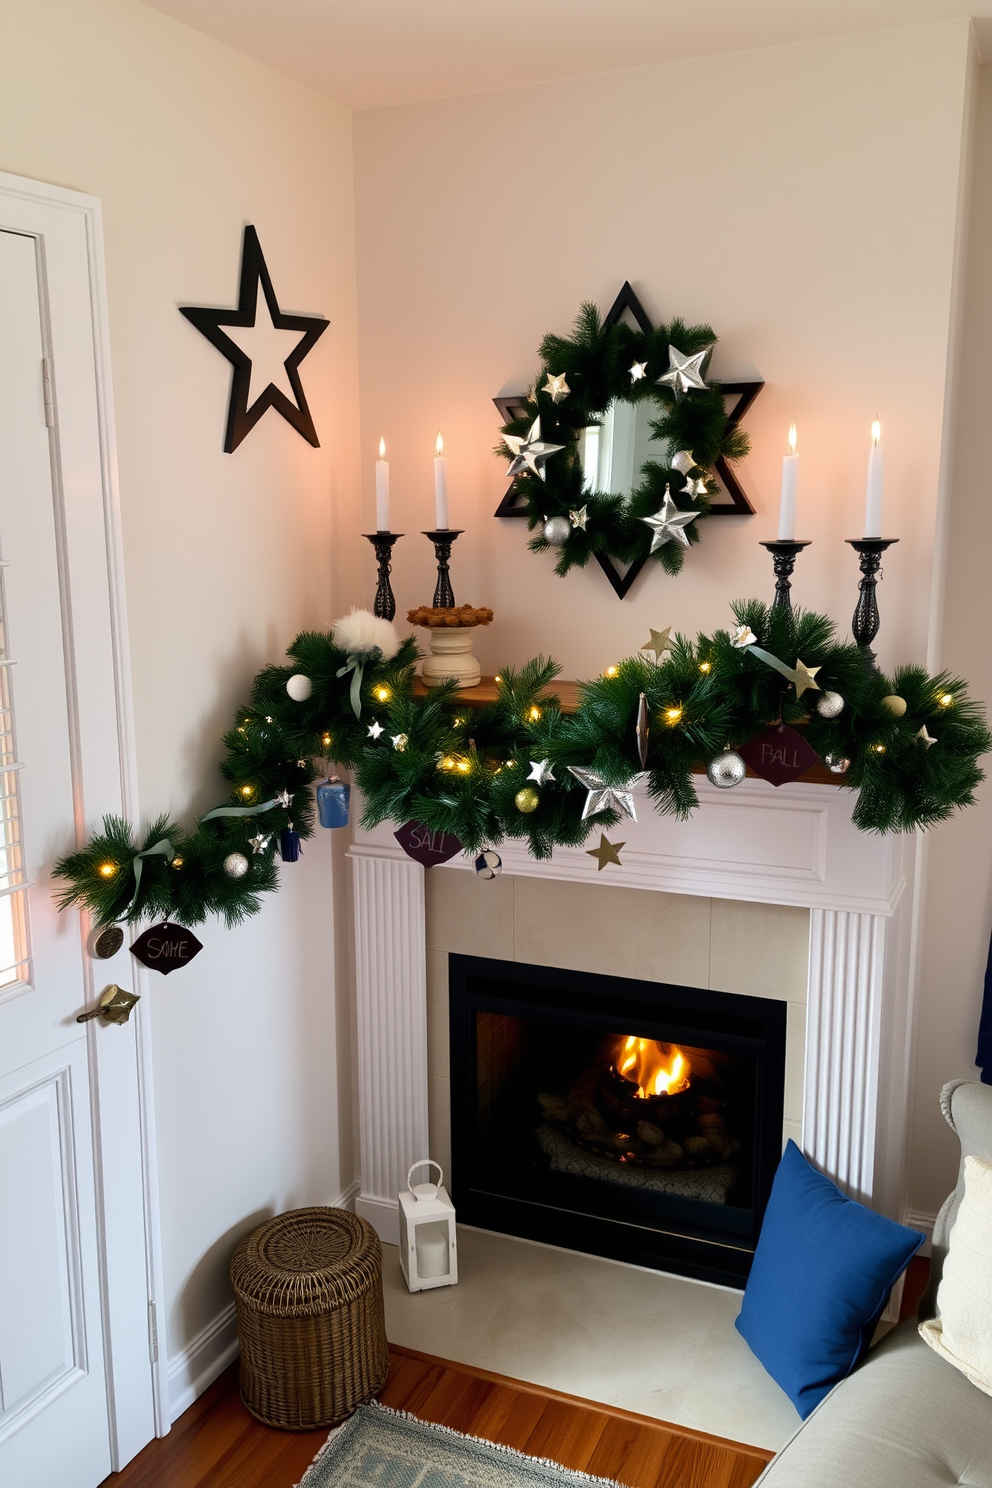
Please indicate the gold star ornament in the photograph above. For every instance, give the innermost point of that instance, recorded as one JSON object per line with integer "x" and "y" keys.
{"x": 606, "y": 852}
{"x": 802, "y": 677}
{"x": 556, "y": 388}
{"x": 659, "y": 642}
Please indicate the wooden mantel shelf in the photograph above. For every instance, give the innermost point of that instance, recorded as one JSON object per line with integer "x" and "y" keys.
{"x": 568, "y": 694}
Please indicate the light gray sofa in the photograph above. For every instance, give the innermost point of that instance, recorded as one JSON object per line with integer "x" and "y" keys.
{"x": 905, "y": 1418}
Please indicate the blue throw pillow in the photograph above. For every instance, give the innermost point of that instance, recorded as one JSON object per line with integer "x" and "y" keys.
{"x": 823, "y": 1268}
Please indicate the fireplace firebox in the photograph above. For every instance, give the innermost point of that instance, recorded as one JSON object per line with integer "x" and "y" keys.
{"x": 632, "y": 1119}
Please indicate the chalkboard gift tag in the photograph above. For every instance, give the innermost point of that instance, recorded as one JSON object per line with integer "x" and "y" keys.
{"x": 779, "y": 754}
{"x": 166, "y": 947}
{"x": 425, "y": 846}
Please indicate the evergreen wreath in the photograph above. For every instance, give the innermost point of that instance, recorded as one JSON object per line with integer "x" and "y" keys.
{"x": 459, "y": 769}
{"x": 580, "y": 378}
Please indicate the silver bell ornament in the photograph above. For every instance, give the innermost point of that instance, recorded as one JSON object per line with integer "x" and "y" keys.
{"x": 830, "y": 705}
{"x": 838, "y": 764}
{"x": 488, "y": 864}
{"x": 235, "y": 865}
{"x": 557, "y": 531}
{"x": 726, "y": 771}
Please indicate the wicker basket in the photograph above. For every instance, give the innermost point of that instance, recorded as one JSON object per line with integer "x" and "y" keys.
{"x": 308, "y": 1288}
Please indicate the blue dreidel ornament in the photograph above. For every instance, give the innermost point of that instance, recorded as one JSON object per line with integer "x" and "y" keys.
{"x": 289, "y": 844}
{"x": 333, "y": 797}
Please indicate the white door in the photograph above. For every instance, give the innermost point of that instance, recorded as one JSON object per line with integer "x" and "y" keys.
{"x": 76, "y": 1210}
{"x": 53, "y": 1393}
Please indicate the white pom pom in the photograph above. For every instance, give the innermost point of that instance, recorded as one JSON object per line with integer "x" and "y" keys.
{"x": 299, "y": 688}
{"x": 361, "y": 631}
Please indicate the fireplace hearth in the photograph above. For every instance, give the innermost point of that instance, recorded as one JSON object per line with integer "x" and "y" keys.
{"x": 632, "y": 1119}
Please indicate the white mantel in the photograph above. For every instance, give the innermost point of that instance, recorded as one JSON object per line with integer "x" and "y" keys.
{"x": 793, "y": 845}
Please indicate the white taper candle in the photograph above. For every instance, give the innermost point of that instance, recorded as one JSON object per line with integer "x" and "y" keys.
{"x": 440, "y": 486}
{"x": 790, "y": 478}
{"x": 382, "y": 489}
{"x": 876, "y": 475}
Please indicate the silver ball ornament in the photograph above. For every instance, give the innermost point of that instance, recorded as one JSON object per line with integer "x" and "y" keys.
{"x": 557, "y": 531}
{"x": 235, "y": 865}
{"x": 299, "y": 688}
{"x": 488, "y": 864}
{"x": 830, "y": 705}
{"x": 726, "y": 771}
{"x": 838, "y": 764}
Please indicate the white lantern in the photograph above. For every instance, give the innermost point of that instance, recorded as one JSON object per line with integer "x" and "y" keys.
{"x": 428, "y": 1256}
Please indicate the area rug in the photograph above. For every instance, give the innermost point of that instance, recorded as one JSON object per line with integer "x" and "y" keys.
{"x": 383, "y": 1448}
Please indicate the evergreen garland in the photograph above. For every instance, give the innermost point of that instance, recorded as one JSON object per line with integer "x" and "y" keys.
{"x": 458, "y": 769}
{"x": 596, "y": 362}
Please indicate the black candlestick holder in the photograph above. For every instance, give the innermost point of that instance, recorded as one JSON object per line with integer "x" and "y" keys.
{"x": 784, "y": 553}
{"x": 444, "y": 598}
{"x": 864, "y": 625}
{"x": 385, "y": 601}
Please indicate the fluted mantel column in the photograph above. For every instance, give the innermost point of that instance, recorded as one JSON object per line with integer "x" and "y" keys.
{"x": 391, "y": 995}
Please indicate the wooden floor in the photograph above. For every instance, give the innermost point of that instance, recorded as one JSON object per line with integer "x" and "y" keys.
{"x": 217, "y": 1444}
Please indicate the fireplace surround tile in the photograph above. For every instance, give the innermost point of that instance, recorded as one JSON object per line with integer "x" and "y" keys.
{"x": 759, "y": 950}
{"x": 622, "y": 932}
{"x": 469, "y": 916}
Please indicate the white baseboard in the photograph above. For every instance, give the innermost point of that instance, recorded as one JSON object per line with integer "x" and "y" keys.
{"x": 347, "y": 1199}
{"x": 383, "y": 1215}
{"x": 202, "y": 1360}
{"x": 918, "y": 1220}
{"x": 206, "y": 1356}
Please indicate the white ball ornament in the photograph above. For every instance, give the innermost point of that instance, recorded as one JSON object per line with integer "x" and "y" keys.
{"x": 727, "y": 770}
{"x": 830, "y": 705}
{"x": 235, "y": 865}
{"x": 299, "y": 688}
{"x": 488, "y": 864}
{"x": 557, "y": 531}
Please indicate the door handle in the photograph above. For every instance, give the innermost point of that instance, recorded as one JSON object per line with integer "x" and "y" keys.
{"x": 114, "y": 1006}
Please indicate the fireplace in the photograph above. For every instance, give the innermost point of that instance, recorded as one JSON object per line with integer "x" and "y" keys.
{"x": 633, "y": 1119}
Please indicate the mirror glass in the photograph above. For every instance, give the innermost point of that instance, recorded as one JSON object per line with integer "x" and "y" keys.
{"x": 614, "y": 451}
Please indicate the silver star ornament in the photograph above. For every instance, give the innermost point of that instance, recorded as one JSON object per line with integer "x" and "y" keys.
{"x": 541, "y": 771}
{"x": 669, "y": 524}
{"x": 638, "y": 370}
{"x": 259, "y": 843}
{"x": 375, "y": 729}
{"x": 603, "y": 797}
{"x": 684, "y": 371}
{"x": 579, "y": 518}
{"x": 530, "y": 450}
{"x": 742, "y": 636}
{"x": 694, "y": 488}
{"x": 284, "y": 799}
{"x": 556, "y": 388}
{"x": 683, "y": 462}
{"x": 925, "y": 737}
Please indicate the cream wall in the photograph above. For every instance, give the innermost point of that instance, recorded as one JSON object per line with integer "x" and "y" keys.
{"x": 959, "y": 854}
{"x": 802, "y": 199}
{"x": 227, "y": 556}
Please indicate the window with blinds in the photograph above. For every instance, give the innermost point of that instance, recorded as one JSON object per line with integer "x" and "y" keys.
{"x": 14, "y": 953}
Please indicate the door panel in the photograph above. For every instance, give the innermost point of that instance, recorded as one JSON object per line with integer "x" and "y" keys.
{"x": 54, "y": 1427}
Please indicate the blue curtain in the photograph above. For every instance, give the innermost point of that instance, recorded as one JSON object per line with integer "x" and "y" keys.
{"x": 983, "y": 1057}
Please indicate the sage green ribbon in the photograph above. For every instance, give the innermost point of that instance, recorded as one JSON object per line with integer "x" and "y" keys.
{"x": 241, "y": 810}
{"x": 357, "y": 662}
{"x": 163, "y": 848}
{"x": 356, "y": 665}
{"x": 772, "y": 661}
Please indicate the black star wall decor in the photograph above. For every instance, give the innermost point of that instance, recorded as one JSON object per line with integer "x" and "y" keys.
{"x": 242, "y": 418}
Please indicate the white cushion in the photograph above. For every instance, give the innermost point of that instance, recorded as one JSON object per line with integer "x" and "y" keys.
{"x": 962, "y": 1330}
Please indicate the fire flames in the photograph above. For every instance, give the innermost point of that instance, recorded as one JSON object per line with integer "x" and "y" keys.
{"x": 655, "y": 1068}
